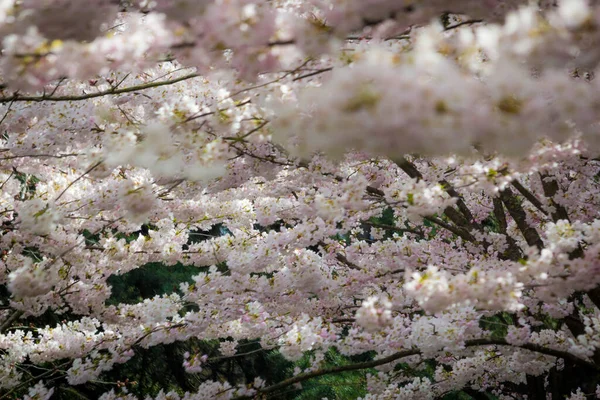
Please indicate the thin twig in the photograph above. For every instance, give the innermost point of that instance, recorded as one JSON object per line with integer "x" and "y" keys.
{"x": 90, "y": 169}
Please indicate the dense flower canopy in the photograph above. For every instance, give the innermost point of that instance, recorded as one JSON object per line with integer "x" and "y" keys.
{"x": 388, "y": 177}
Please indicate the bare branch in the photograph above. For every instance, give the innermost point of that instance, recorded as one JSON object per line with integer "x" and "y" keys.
{"x": 529, "y": 196}
{"x": 516, "y": 211}
{"x": 113, "y": 91}
{"x": 12, "y": 318}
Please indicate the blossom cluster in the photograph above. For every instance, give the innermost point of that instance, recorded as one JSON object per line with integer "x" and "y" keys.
{"x": 411, "y": 181}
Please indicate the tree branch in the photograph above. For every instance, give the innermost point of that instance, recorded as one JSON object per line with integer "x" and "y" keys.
{"x": 513, "y": 252}
{"x": 550, "y": 189}
{"x": 529, "y": 196}
{"x": 412, "y": 352}
{"x": 516, "y": 211}
{"x": 463, "y": 218}
{"x": 12, "y": 318}
{"x": 112, "y": 91}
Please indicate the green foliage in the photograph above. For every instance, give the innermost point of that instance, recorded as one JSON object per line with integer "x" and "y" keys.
{"x": 433, "y": 228}
{"x": 347, "y": 385}
{"x": 387, "y": 217}
{"x": 28, "y": 184}
{"x": 491, "y": 224}
{"x": 150, "y": 280}
{"x": 160, "y": 367}
{"x": 154, "y": 279}
{"x": 497, "y": 324}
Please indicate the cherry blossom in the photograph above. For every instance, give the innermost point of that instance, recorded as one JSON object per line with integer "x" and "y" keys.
{"x": 414, "y": 182}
